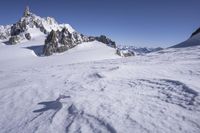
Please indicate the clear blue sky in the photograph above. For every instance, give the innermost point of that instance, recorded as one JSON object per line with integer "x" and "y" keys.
{"x": 131, "y": 22}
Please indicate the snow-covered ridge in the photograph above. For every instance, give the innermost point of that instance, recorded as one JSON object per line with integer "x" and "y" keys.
{"x": 194, "y": 40}
{"x": 30, "y": 22}
{"x": 59, "y": 37}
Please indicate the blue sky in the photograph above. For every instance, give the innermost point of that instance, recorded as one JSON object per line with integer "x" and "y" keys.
{"x": 130, "y": 22}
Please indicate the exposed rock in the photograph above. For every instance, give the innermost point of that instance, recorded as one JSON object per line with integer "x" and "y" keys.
{"x": 16, "y": 29}
{"x": 61, "y": 36}
{"x": 91, "y": 38}
{"x": 106, "y": 40}
{"x": 14, "y": 40}
{"x": 51, "y": 44}
{"x": 196, "y": 32}
{"x": 28, "y": 36}
{"x": 125, "y": 53}
{"x": 61, "y": 41}
{"x": 65, "y": 38}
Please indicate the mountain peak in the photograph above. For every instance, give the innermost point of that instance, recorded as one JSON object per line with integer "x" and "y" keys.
{"x": 27, "y": 12}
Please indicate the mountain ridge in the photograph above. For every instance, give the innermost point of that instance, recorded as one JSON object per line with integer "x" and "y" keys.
{"x": 31, "y": 25}
{"x": 193, "y": 40}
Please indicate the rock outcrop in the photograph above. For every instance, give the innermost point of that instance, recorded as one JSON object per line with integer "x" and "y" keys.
{"x": 125, "y": 53}
{"x": 51, "y": 44}
{"x": 14, "y": 40}
{"x": 106, "y": 40}
{"x": 60, "y": 41}
{"x": 66, "y": 40}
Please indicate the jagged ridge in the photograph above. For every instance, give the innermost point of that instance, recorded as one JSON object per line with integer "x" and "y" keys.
{"x": 60, "y": 37}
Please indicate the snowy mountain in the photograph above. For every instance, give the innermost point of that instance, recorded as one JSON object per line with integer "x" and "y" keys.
{"x": 60, "y": 37}
{"x": 32, "y": 24}
{"x": 194, "y": 40}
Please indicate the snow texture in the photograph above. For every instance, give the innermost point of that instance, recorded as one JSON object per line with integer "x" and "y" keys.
{"x": 90, "y": 89}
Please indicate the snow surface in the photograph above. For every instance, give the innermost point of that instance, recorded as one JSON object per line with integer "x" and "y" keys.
{"x": 90, "y": 89}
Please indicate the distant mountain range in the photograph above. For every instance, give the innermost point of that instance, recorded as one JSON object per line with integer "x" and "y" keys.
{"x": 138, "y": 50}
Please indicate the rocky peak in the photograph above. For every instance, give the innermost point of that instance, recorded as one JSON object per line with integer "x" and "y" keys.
{"x": 60, "y": 37}
{"x": 60, "y": 41}
{"x": 51, "y": 44}
{"x": 27, "y": 12}
{"x": 52, "y": 37}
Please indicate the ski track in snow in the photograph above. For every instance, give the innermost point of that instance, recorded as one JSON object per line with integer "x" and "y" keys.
{"x": 158, "y": 92}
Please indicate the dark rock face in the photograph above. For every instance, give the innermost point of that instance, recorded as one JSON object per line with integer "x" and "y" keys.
{"x": 51, "y": 44}
{"x": 14, "y": 40}
{"x": 28, "y": 36}
{"x": 106, "y": 40}
{"x": 60, "y": 41}
{"x": 16, "y": 29}
{"x": 196, "y": 32}
{"x": 65, "y": 38}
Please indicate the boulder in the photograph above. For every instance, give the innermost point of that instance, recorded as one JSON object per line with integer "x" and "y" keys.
{"x": 28, "y": 36}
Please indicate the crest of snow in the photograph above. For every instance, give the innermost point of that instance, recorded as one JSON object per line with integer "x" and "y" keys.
{"x": 35, "y": 32}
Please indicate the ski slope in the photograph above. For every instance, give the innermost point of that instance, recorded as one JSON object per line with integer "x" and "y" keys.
{"x": 90, "y": 89}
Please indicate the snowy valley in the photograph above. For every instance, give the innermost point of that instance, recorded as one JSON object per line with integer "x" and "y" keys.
{"x": 89, "y": 88}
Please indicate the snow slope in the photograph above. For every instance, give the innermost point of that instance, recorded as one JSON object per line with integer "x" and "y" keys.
{"x": 90, "y": 89}
{"x": 192, "y": 41}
